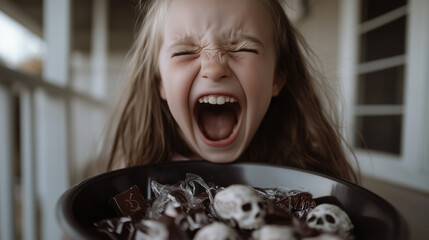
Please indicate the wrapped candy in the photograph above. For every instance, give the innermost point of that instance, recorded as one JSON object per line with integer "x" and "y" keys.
{"x": 194, "y": 209}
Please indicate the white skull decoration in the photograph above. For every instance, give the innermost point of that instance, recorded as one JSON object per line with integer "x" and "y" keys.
{"x": 241, "y": 204}
{"x": 274, "y": 232}
{"x": 217, "y": 231}
{"x": 325, "y": 236}
{"x": 153, "y": 230}
{"x": 330, "y": 218}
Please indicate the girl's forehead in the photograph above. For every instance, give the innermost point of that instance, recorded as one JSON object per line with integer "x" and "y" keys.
{"x": 227, "y": 19}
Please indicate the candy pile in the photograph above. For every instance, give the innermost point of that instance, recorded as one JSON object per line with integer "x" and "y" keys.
{"x": 193, "y": 209}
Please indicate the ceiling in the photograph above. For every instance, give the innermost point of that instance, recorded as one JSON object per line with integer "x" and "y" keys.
{"x": 121, "y": 15}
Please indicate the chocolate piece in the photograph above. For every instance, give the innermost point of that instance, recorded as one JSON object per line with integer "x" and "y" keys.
{"x": 179, "y": 196}
{"x": 195, "y": 219}
{"x": 304, "y": 231}
{"x": 174, "y": 230}
{"x": 116, "y": 228}
{"x": 302, "y": 201}
{"x": 299, "y": 204}
{"x": 278, "y": 216}
{"x": 129, "y": 202}
{"x": 180, "y": 211}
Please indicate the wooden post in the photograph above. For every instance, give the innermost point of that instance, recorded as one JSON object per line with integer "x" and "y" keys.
{"x": 6, "y": 165}
{"x": 51, "y": 118}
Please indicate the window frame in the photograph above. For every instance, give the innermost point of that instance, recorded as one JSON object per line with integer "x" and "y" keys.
{"x": 411, "y": 167}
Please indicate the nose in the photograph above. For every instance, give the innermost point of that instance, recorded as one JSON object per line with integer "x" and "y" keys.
{"x": 214, "y": 68}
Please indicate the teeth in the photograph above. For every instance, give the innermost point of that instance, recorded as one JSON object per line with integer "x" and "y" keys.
{"x": 219, "y": 100}
{"x": 212, "y": 100}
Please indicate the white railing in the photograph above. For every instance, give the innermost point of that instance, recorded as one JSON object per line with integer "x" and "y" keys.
{"x": 52, "y": 123}
{"x": 58, "y": 125}
{"x": 6, "y": 165}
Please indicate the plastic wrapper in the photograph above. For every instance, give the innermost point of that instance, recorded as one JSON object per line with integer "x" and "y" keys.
{"x": 298, "y": 202}
{"x": 117, "y": 228}
{"x": 180, "y": 210}
{"x": 188, "y": 195}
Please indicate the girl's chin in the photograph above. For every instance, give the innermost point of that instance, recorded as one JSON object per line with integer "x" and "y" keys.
{"x": 221, "y": 156}
{"x": 220, "y": 160}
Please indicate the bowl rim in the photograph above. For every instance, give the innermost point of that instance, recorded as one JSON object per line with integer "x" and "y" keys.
{"x": 72, "y": 228}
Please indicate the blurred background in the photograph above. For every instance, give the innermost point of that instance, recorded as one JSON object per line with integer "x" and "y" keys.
{"x": 62, "y": 67}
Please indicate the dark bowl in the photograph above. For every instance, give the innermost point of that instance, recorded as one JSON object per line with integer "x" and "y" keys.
{"x": 87, "y": 202}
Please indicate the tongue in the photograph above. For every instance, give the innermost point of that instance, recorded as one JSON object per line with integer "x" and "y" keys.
{"x": 218, "y": 124}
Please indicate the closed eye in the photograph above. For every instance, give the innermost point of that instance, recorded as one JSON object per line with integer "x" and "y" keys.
{"x": 183, "y": 53}
{"x": 250, "y": 50}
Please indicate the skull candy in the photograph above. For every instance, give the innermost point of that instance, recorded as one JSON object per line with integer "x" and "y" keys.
{"x": 217, "y": 231}
{"x": 274, "y": 232}
{"x": 151, "y": 229}
{"x": 330, "y": 218}
{"x": 241, "y": 204}
{"x": 325, "y": 236}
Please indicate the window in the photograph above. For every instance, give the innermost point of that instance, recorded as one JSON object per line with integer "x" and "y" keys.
{"x": 380, "y": 75}
{"x": 385, "y": 62}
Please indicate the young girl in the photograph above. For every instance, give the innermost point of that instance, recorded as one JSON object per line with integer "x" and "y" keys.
{"x": 224, "y": 81}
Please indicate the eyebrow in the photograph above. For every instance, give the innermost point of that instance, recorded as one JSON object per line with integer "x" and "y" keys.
{"x": 190, "y": 42}
{"x": 247, "y": 38}
{"x": 183, "y": 42}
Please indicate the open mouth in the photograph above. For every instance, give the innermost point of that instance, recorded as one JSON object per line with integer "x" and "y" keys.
{"x": 217, "y": 117}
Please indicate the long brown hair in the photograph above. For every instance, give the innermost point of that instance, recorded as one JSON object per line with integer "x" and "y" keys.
{"x": 297, "y": 131}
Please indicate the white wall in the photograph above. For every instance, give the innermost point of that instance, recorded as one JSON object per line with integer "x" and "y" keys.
{"x": 320, "y": 27}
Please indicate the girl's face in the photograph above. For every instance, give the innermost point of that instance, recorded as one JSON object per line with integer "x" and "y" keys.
{"x": 217, "y": 64}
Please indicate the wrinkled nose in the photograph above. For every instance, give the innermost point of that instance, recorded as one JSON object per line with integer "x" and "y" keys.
{"x": 214, "y": 68}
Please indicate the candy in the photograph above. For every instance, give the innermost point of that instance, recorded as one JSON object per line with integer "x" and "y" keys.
{"x": 217, "y": 231}
{"x": 193, "y": 209}
{"x": 331, "y": 219}
{"x": 129, "y": 202}
{"x": 242, "y": 205}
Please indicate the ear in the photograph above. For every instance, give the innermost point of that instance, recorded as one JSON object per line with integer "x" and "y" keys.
{"x": 278, "y": 84}
{"x": 161, "y": 89}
